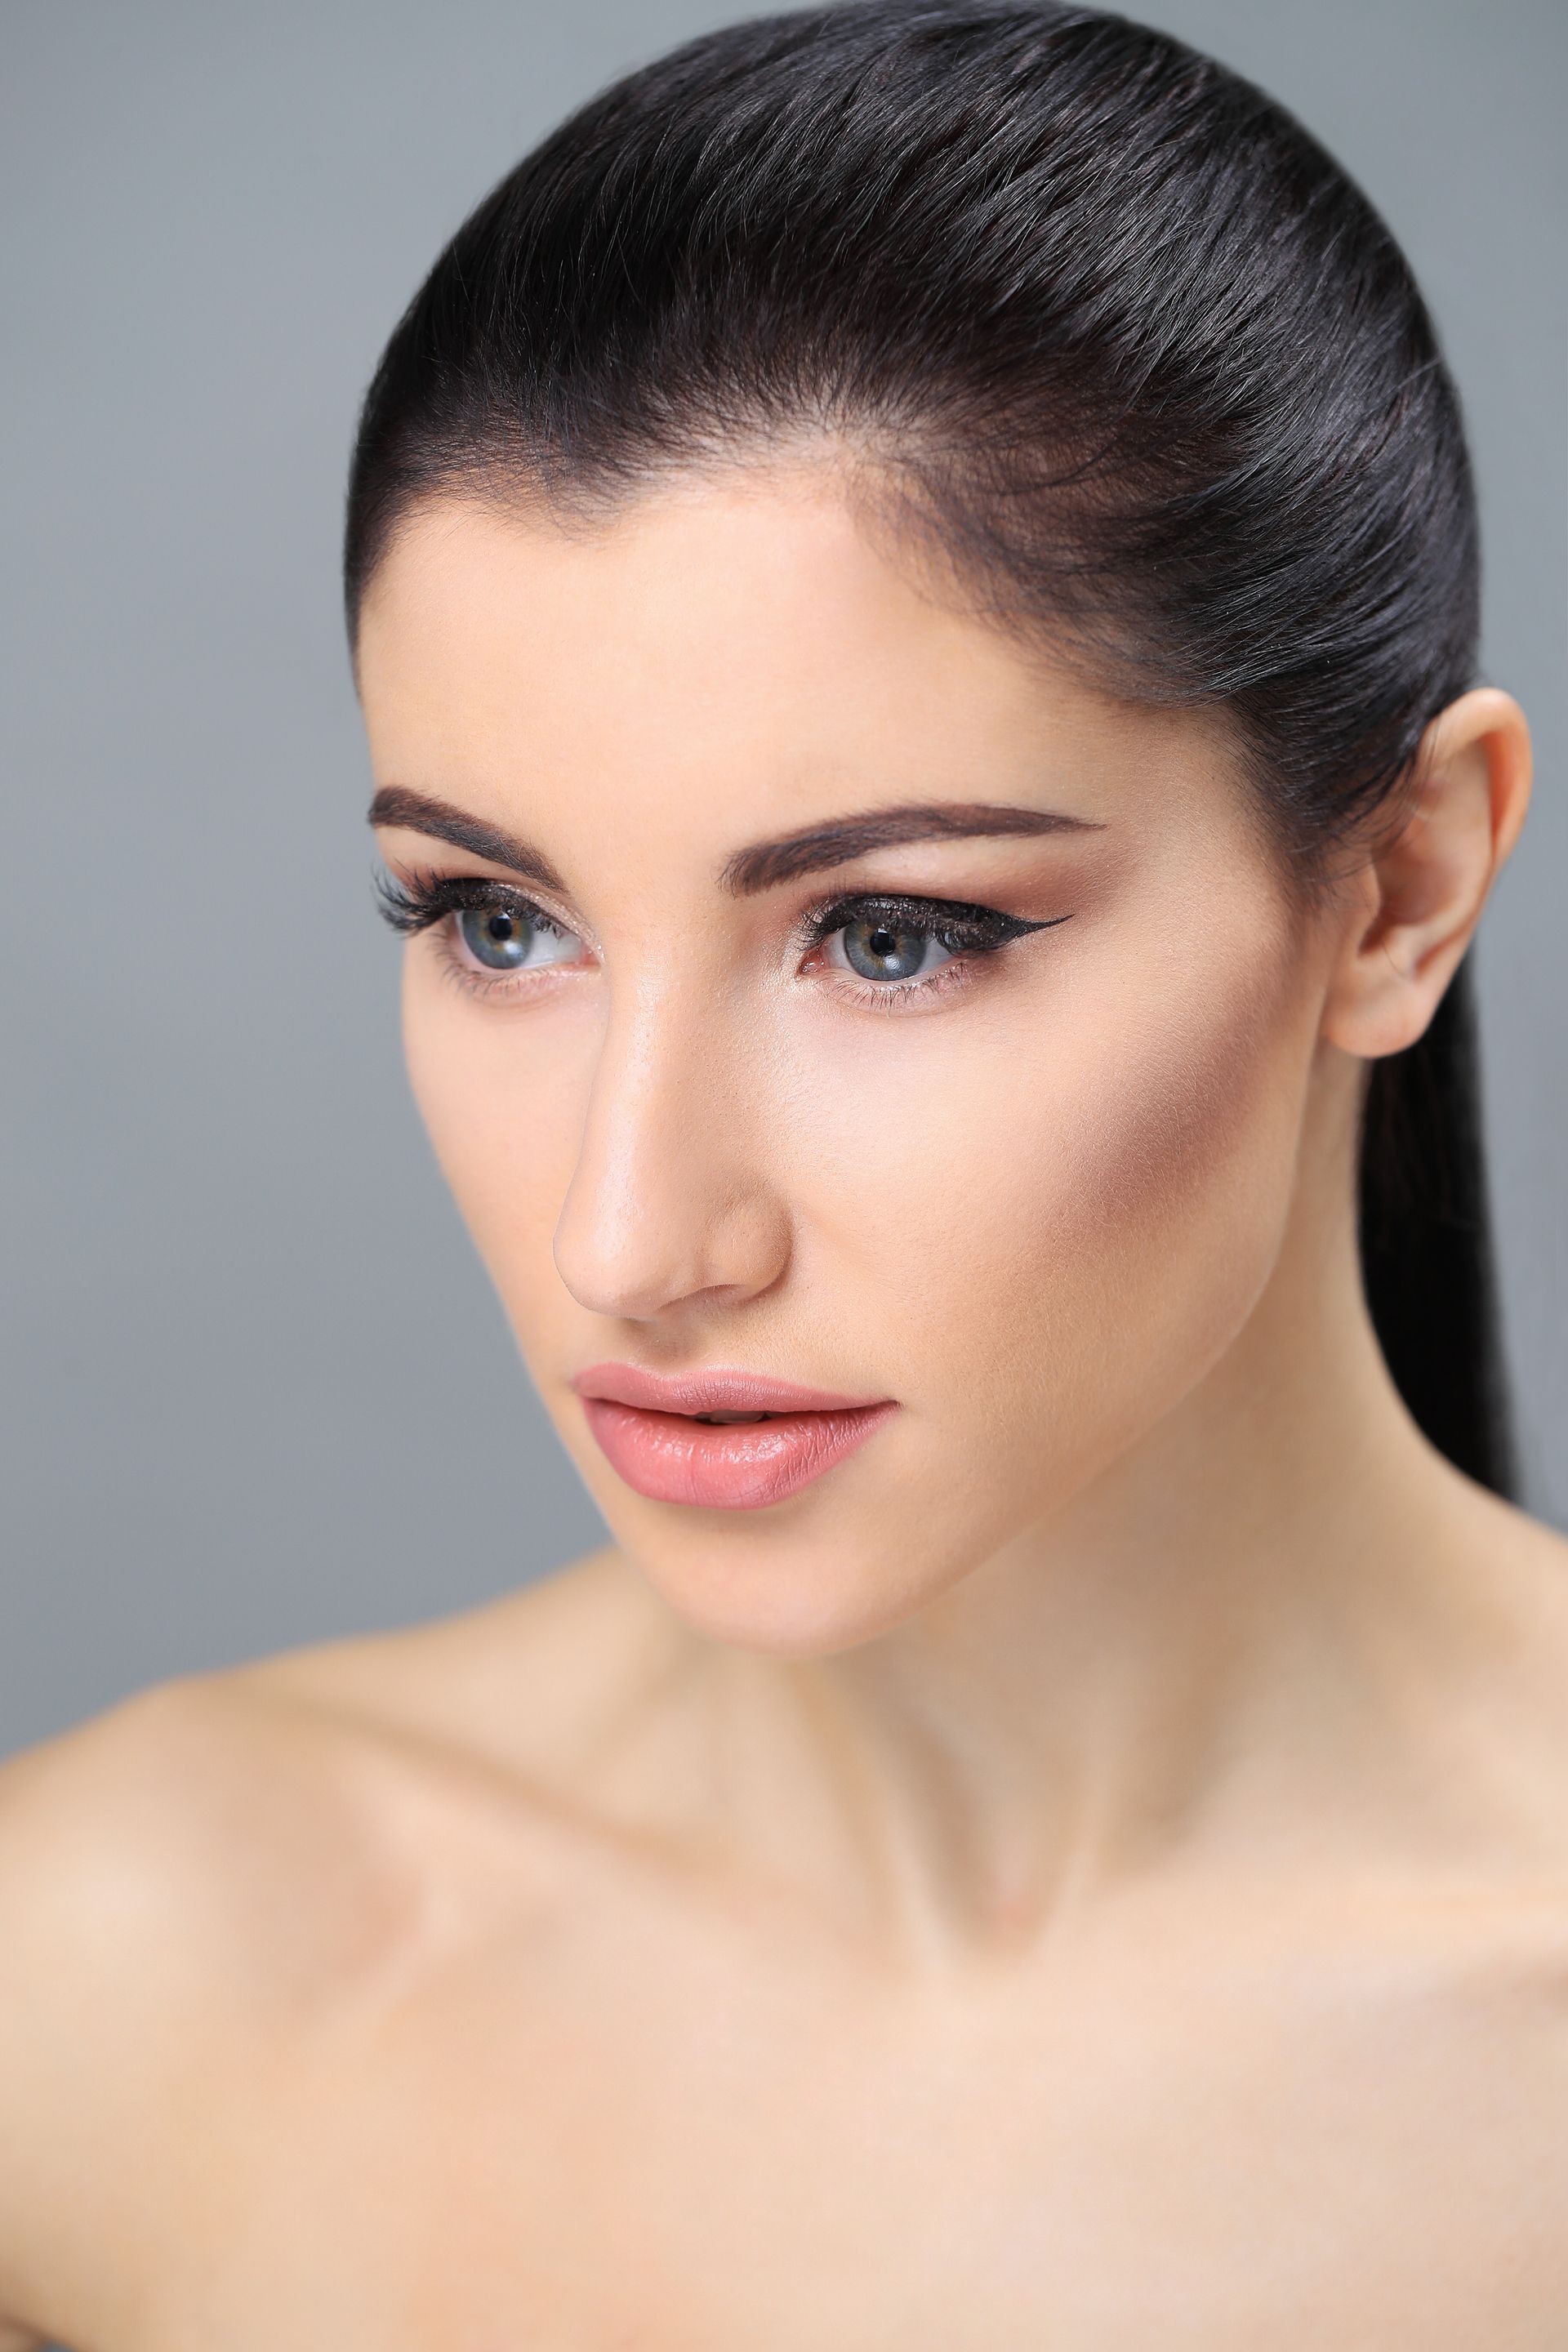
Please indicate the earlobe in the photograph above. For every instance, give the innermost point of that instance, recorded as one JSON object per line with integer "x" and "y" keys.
{"x": 1416, "y": 902}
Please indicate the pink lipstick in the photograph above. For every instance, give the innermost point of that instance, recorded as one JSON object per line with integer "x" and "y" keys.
{"x": 727, "y": 1441}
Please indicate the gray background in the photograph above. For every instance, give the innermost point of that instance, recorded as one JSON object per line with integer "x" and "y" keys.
{"x": 257, "y": 1391}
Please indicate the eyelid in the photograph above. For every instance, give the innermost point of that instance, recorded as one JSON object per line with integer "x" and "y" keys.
{"x": 965, "y": 920}
{"x": 416, "y": 902}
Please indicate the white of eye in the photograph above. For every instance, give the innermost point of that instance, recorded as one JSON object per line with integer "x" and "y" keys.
{"x": 882, "y": 949}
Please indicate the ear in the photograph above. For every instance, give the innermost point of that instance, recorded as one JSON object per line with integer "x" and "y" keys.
{"x": 1414, "y": 906}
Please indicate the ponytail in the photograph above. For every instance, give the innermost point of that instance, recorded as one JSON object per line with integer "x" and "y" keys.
{"x": 1426, "y": 1243}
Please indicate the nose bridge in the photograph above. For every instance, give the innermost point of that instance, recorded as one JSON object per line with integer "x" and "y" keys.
{"x": 666, "y": 1199}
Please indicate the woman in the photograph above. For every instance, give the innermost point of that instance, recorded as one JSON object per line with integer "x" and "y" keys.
{"x": 912, "y": 575}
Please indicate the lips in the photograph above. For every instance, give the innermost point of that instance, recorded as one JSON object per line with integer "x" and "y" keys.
{"x": 650, "y": 1428}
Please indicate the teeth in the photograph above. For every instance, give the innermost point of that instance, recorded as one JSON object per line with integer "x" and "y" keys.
{"x": 724, "y": 1418}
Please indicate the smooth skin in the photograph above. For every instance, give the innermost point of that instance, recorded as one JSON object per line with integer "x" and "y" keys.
{"x": 1088, "y": 1874}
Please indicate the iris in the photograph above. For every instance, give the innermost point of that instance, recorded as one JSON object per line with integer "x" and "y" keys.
{"x": 496, "y": 937}
{"x": 880, "y": 949}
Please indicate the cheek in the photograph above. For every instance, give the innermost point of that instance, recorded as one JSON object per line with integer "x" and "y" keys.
{"x": 502, "y": 1125}
{"x": 1103, "y": 1197}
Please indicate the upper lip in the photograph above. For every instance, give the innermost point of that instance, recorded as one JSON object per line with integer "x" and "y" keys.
{"x": 719, "y": 1390}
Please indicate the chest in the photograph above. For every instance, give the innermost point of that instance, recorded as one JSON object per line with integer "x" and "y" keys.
{"x": 700, "y": 2159}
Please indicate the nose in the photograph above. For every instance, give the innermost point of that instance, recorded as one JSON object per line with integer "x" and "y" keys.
{"x": 670, "y": 1201}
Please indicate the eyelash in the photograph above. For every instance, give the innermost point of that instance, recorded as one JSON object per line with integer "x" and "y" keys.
{"x": 969, "y": 932}
{"x": 425, "y": 899}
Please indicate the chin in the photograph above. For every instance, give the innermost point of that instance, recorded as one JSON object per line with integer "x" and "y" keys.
{"x": 822, "y": 1572}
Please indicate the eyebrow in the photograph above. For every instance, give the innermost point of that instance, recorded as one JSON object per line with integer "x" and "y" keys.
{"x": 765, "y": 864}
{"x": 815, "y": 846}
{"x": 394, "y": 805}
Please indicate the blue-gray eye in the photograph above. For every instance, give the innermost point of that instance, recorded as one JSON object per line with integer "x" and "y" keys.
{"x": 878, "y": 948}
{"x": 504, "y": 938}
{"x": 495, "y": 937}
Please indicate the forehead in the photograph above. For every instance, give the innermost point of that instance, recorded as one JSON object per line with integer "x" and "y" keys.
{"x": 741, "y": 647}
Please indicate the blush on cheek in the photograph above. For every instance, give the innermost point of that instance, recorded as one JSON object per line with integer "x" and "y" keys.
{"x": 1153, "y": 1172}
{"x": 1196, "y": 1102}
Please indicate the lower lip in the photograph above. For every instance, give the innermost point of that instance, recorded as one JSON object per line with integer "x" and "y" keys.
{"x": 738, "y": 1465}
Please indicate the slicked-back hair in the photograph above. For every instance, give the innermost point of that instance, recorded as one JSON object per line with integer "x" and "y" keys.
{"x": 1106, "y": 327}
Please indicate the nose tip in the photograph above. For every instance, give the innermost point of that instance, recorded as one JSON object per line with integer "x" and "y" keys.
{"x": 637, "y": 1257}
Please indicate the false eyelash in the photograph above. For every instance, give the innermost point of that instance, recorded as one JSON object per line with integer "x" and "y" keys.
{"x": 961, "y": 929}
{"x": 413, "y": 905}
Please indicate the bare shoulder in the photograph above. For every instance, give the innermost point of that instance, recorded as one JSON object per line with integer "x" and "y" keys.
{"x": 1518, "y": 1534}
{"x": 236, "y": 1832}
{"x": 187, "y": 1878}
{"x": 1509, "y": 1720}
{"x": 172, "y": 1875}
{"x": 1524, "y": 1571}
{"x": 157, "y": 1840}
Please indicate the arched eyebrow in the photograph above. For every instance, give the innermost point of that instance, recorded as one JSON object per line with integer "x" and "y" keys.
{"x": 415, "y": 812}
{"x": 814, "y": 848}
{"x": 764, "y": 864}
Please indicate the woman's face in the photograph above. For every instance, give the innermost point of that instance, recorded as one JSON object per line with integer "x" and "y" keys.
{"x": 1014, "y": 1177}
